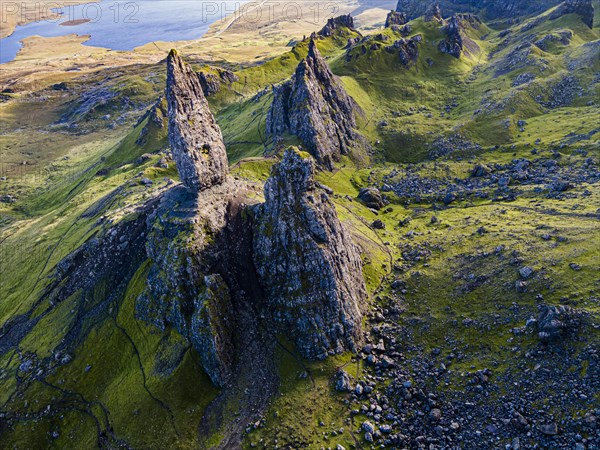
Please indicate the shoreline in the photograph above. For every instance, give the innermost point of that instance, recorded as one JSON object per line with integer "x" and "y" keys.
{"x": 212, "y": 26}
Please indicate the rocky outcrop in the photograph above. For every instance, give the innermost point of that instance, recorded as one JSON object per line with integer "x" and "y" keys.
{"x": 583, "y": 8}
{"x": 453, "y": 44}
{"x": 395, "y": 18}
{"x": 310, "y": 270}
{"x": 336, "y": 24}
{"x": 372, "y": 198}
{"x": 212, "y": 79}
{"x": 194, "y": 136}
{"x": 456, "y": 41}
{"x": 192, "y": 283}
{"x": 555, "y": 322}
{"x": 433, "y": 13}
{"x": 314, "y": 106}
{"x": 407, "y": 49}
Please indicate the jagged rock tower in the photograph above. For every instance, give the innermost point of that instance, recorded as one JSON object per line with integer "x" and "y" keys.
{"x": 310, "y": 270}
{"x": 194, "y": 136}
{"x": 314, "y": 106}
{"x": 182, "y": 290}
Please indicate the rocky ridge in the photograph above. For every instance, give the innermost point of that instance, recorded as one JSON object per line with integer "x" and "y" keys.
{"x": 395, "y": 18}
{"x": 310, "y": 270}
{"x": 314, "y": 106}
{"x": 583, "y": 8}
{"x": 492, "y": 9}
{"x": 336, "y": 23}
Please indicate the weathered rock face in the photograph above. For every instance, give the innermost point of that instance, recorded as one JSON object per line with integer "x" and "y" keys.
{"x": 583, "y": 8}
{"x": 310, "y": 270}
{"x": 211, "y": 82}
{"x": 194, "y": 136}
{"x": 395, "y": 18}
{"x": 336, "y": 23}
{"x": 314, "y": 106}
{"x": 433, "y": 12}
{"x": 191, "y": 285}
{"x": 457, "y": 42}
{"x": 179, "y": 293}
{"x": 453, "y": 44}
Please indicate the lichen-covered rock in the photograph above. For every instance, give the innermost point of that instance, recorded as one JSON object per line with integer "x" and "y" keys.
{"x": 395, "y": 18}
{"x": 310, "y": 270}
{"x": 210, "y": 328}
{"x": 335, "y": 24}
{"x": 194, "y": 136}
{"x": 314, "y": 106}
{"x": 583, "y": 8}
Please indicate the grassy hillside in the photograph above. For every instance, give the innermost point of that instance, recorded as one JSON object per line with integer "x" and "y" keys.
{"x": 442, "y": 268}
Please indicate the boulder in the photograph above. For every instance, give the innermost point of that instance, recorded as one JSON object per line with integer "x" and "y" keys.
{"x": 555, "y": 322}
{"x": 371, "y": 197}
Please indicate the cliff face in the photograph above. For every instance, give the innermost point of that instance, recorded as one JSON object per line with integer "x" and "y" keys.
{"x": 491, "y": 9}
{"x": 314, "y": 106}
{"x": 194, "y": 136}
{"x": 583, "y": 8}
{"x": 187, "y": 288}
{"x": 310, "y": 270}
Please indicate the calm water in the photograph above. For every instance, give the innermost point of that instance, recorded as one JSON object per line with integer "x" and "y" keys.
{"x": 125, "y": 25}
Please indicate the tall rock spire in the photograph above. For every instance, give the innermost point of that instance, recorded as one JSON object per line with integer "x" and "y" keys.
{"x": 194, "y": 136}
{"x": 314, "y": 106}
{"x": 308, "y": 266}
